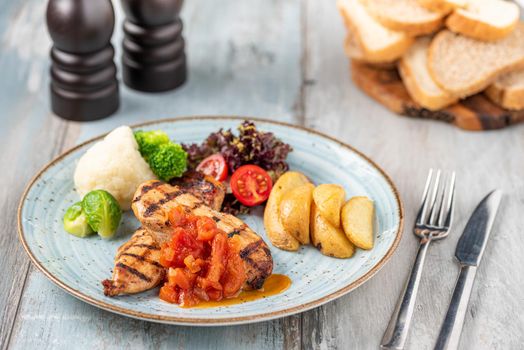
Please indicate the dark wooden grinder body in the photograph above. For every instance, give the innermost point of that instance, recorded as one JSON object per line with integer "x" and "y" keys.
{"x": 83, "y": 74}
{"x": 153, "y": 57}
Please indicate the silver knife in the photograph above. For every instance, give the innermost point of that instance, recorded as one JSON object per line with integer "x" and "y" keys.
{"x": 470, "y": 248}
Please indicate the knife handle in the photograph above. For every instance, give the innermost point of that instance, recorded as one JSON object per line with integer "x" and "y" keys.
{"x": 449, "y": 336}
{"x": 397, "y": 332}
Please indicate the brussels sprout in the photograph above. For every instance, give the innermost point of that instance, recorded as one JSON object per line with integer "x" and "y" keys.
{"x": 103, "y": 212}
{"x": 75, "y": 221}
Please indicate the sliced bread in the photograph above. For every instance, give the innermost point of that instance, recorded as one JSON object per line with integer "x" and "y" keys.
{"x": 413, "y": 69}
{"x": 354, "y": 51}
{"x": 377, "y": 42}
{"x": 464, "y": 66}
{"x": 508, "y": 90}
{"x": 442, "y": 6}
{"x": 485, "y": 19}
{"x": 405, "y": 15}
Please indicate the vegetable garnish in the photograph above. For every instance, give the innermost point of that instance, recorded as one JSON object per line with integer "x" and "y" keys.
{"x": 203, "y": 263}
{"x": 102, "y": 212}
{"x": 150, "y": 141}
{"x": 75, "y": 221}
{"x": 98, "y": 212}
{"x": 215, "y": 166}
{"x": 251, "y": 185}
{"x": 166, "y": 159}
{"x": 251, "y": 146}
{"x": 169, "y": 161}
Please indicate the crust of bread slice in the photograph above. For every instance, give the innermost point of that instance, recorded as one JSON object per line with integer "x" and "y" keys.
{"x": 485, "y": 19}
{"x": 378, "y": 43}
{"x": 508, "y": 91}
{"x": 442, "y": 6}
{"x": 355, "y": 52}
{"x": 464, "y": 66}
{"x": 405, "y": 15}
{"x": 415, "y": 75}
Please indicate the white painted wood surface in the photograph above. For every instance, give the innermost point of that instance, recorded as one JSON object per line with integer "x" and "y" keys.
{"x": 281, "y": 60}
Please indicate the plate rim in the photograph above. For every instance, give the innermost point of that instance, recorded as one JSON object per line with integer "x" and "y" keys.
{"x": 195, "y": 321}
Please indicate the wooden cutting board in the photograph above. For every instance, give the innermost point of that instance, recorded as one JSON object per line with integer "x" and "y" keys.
{"x": 474, "y": 113}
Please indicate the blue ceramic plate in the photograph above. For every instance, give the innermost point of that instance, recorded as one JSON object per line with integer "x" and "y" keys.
{"x": 78, "y": 265}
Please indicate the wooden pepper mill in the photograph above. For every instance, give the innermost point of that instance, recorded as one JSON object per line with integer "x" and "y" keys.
{"x": 83, "y": 74}
{"x": 153, "y": 57}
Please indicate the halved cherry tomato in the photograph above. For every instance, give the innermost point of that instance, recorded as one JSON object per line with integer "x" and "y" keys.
{"x": 215, "y": 166}
{"x": 251, "y": 185}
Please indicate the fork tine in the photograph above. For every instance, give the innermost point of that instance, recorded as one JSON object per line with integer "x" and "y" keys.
{"x": 439, "y": 202}
{"x": 445, "y": 220}
{"x": 423, "y": 206}
{"x": 442, "y": 200}
{"x": 431, "y": 217}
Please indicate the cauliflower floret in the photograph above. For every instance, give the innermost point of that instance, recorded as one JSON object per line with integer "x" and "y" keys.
{"x": 115, "y": 165}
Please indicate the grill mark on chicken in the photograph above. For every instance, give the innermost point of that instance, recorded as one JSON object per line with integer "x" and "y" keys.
{"x": 232, "y": 233}
{"x": 142, "y": 258}
{"x": 236, "y": 231}
{"x": 244, "y": 253}
{"x": 205, "y": 188}
{"x": 262, "y": 267}
{"x": 148, "y": 246}
{"x": 133, "y": 271}
{"x": 147, "y": 188}
{"x": 168, "y": 197}
{"x": 151, "y": 209}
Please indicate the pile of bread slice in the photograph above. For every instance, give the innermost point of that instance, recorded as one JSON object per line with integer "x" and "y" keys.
{"x": 445, "y": 50}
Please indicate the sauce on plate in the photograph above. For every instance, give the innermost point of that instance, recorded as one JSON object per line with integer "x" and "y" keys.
{"x": 274, "y": 284}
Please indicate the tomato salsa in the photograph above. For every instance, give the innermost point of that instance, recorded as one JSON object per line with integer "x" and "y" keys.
{"x": 203, "y": 263}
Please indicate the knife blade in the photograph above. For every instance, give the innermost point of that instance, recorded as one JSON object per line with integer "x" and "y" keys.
{"x": 470, "y": 248}
{"x": 471, "y": 244}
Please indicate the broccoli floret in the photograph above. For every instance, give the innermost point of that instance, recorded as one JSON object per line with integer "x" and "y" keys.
{"x": 169, "y": 161}
{"x": 150, "y": 141}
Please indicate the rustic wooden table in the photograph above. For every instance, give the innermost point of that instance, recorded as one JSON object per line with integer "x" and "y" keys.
{"x": 281, "y": 60}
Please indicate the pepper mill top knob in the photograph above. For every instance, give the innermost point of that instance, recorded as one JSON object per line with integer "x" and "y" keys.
{"x": 152, "y": 13}
{"x": 80, "y": 26}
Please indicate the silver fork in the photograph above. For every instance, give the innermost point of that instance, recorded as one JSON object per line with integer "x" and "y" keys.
{"x": 433, "y": 222}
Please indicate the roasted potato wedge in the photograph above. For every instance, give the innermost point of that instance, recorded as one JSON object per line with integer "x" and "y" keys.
{"x": 329, "y": 199}
{"x": 295, "y": 211}
{"x": 330, "y": 240}
{"x": 275, "y": 230}
{"x": 357, "y": 220}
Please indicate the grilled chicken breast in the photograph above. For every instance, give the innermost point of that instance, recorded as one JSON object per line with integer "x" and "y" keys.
{"x": 137, "y": 267}
{"x": 153, "y": 201}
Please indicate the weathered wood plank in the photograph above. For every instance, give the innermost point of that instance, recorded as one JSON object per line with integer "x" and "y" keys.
{"x": 13, "y": 262}
{"x": 24, "y": 121}
{"x": 239, "y": 63}
{"x": 406, "y": 149}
